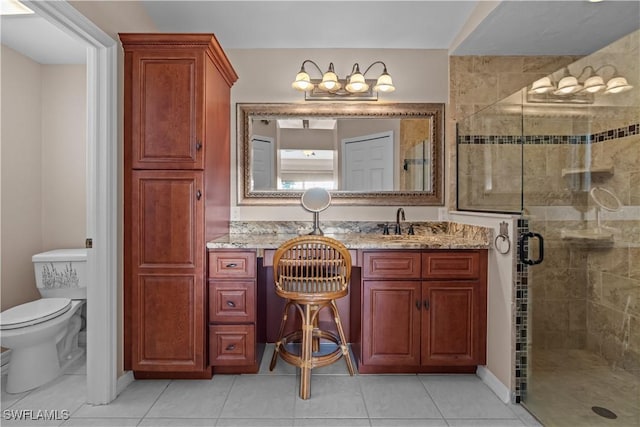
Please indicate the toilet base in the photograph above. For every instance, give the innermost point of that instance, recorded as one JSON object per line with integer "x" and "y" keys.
{"x": 33, "y": 366}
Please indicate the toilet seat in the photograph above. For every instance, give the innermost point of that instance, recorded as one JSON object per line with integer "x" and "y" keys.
{"x": 33, "y": 312}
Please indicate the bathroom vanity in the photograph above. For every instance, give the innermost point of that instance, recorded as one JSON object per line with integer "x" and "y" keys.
{"x": 416, "y": 303}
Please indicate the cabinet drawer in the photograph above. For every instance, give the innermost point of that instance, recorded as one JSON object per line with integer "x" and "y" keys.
{"x": 232, "y": 264}
{"x": 391, "y": 265}
{"x": 231, "y": 345}
{"x": 451, "y": 265}
{"x": 232, "y": 301}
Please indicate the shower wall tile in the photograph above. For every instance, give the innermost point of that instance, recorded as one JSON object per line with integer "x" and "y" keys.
{"x": 594, "y": 285}
{"x": 634, "y": 263}
{"x": 498, "y": 64}
{"x": 545, "y": 65}
{"x": 611, "y": 260}
{"x": 634, "y": 190}
{"x": 622, "y": 293}
{"x": 483, "y": 86}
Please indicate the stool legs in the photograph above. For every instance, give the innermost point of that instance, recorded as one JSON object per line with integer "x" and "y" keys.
{"x": 276, "y": 350}
{"x": 343, "y": 341}
{"x": 309, "y": 337}
{"x": 307, "y": 352}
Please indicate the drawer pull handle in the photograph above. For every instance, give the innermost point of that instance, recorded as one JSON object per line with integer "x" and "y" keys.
{"x": 231, "y": 265}
{"x": 231, "y": 303}
{"x": 426, "y": 304}
{"x": 230, "y": 347}
{"x": 418, "y": 304}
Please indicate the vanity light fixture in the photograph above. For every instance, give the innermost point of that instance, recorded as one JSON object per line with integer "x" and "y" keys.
{"x": 354, "y": 87}
{"x": 579, "y": 88}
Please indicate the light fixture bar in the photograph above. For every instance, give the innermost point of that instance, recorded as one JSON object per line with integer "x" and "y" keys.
{"x": 317, "y": 94}
{"x": 330, "y": 87}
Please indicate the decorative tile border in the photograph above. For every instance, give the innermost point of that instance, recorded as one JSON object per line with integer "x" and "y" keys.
{"x": 521, "y": 288}
{"x": 607, "y": 135}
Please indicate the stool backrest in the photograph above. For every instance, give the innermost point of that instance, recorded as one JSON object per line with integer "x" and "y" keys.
{"x": 312, "y": 265}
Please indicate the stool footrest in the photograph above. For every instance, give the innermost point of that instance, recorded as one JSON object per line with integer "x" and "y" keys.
{"x": 316, "y": 361}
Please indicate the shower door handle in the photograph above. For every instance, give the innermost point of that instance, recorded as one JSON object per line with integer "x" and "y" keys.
{"x": 524, "y": 255}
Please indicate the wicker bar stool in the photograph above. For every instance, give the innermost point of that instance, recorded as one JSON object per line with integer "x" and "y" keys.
{"x": 311, "y": 272}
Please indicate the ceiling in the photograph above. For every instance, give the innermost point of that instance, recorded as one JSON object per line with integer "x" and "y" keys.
{"x": 514, "y": 27}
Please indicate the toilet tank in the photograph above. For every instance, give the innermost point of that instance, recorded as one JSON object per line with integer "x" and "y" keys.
{"x": 61, "y": 273}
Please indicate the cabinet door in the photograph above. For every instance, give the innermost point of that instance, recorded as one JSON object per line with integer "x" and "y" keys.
{"x": 167, "y": 110}
{"x": 391, "y": 323}
{"x": 453, "y": 324}
{"x": 167, "y": 255}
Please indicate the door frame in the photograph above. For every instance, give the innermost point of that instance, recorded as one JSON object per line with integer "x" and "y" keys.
{"x": 102, "y": 194}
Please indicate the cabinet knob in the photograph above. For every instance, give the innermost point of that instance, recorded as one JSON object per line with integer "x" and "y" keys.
{"x": 426, "y": 304}
{"x": 198, "y": 194}
{"x": 231, "y": 347}
{"x": 231, "y": 303}
{"x": 418, "y": 304}
{"x": 231, "y": 265}
{"x": 198, "y": 145}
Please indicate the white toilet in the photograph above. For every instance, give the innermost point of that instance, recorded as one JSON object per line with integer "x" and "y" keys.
{"x": 43, "y": 334}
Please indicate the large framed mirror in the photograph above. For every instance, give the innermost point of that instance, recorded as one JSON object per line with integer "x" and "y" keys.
{"x": 364, "y": 154}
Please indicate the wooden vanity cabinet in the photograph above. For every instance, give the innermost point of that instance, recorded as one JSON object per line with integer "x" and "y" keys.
{"x": 423, "y": 311}
{"x": 176, "y": 196}
{"x": 233, "y": 311}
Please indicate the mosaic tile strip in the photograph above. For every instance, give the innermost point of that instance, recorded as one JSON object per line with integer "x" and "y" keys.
{"x": 607, "y": 135}
{"x": 521, "y": 292}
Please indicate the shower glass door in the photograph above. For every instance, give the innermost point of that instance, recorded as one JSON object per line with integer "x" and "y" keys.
{"x": 581, "y": 165}
{"x": 571, "y": 168}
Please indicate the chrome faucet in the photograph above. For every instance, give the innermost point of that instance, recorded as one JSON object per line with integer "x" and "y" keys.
{"x": 399, "y": 217}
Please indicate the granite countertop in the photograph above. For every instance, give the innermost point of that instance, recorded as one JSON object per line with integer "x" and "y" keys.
{"x": 357, "y": 235}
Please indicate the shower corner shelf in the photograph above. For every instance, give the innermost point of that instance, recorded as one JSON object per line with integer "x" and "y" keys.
{"x": 579, "y": 179}
{"x": 604, "y": 171}
{"x": 593, "y": 236}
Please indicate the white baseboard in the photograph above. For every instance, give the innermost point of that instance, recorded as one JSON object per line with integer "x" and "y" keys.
{"x": 500, "y": 390}
{"x": 123, "y": 381}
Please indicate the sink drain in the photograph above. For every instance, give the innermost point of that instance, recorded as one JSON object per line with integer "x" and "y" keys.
{"x": 604, "y": 412}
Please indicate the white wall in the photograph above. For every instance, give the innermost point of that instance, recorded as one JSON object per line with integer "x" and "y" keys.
{"x": 500, "y": 300}
{"x": 64, "y": 119}
{"x": 265, "y": 75}
{"x": 21, "y": 176}
{"x": 43, "y": 167}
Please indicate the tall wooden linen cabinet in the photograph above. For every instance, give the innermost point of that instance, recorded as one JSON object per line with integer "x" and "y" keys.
{"x": 176, "y": 196}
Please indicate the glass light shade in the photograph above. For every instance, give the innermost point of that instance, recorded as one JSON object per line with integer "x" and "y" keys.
{"x": 384, "y": 84}
{"x": 567, "y": 86}
{"x": 329, "y": 82}
{"x": 542, "y": 85}
{"x": 357, "y": 83}
{"x": 617, "y": 85}
{"x": 302, "y": 82}
{"x": 593, "y": 84}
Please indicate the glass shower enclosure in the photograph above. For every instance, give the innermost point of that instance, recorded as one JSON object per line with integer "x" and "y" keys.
{"x": 570, "y": 167}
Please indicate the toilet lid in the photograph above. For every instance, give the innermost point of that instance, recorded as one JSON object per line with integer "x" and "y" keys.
{"x": 33, "y": 312}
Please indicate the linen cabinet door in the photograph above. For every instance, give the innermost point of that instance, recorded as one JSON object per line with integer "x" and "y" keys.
{"x": 453, "y": 324}
{"x": 167, "y": 109}
{"x": 167, "y": 255}
{"x": 391, "y": 323}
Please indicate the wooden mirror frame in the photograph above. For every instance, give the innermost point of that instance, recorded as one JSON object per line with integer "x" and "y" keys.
{"x": 248, "y": 111}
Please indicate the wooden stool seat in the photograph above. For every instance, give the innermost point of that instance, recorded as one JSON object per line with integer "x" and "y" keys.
{"x": 311, "y": 272}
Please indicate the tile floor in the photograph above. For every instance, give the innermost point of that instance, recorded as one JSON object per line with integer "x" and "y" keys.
{"x": 565, "y": 384}
{"x": 271, "y": 399}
